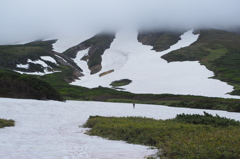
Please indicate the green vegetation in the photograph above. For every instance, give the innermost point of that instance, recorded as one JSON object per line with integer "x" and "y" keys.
{"x": 11, "y": 55}
{"x": 219, "y": 51}
{"x": 122, "y": 82}
{"x": 15, "y": 85}
{"x": 159, "y": 40}
{"x": 179, "y": 138}
{"x": 207, "y": 119}
{"x": 6, "y": 123}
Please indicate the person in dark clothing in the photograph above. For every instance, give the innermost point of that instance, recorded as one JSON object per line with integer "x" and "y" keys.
{"x": 133, "y": 105}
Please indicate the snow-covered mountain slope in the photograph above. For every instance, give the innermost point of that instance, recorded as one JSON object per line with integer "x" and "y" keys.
{"x": 50, "y": 129}
{"x": 149, "y": 73}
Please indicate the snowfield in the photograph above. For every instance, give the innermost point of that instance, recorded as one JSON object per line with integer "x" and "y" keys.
{"x": 52, "y": 130}
{"x": 50, "y": 59}
{"x": 40, "y": 62}
{"x": 149, "y": 73}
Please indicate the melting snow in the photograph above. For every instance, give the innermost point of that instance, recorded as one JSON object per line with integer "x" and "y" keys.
{"x": 50, "y": 129}
{"x": 61, "y": 58}
{"x": 81, "y": 63}
{"x": 49, "y": 58}
{"x": 40, "y": 62}
{"x": 23, "y": 66}
{"x": 151, "y": 74}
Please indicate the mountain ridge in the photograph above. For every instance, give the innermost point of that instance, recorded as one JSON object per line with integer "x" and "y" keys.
{"x": 68, "y": 70}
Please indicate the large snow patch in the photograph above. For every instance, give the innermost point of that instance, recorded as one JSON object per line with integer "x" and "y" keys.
{"x": 50, "y": 129}
{"x": 150, "y": 74}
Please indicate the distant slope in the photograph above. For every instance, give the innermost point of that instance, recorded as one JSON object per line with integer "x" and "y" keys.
{"x": 219, "y": 51}
{"x": 128, "y": 59}
{"x": 36, "y": 58}
{"x": 11, "y": 55}
{"x": 160, "y": 40}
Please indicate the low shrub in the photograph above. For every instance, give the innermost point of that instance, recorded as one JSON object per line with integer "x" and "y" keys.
{"x": 206, "y": 119}
{"x": 176, "y": 140}
{"x": 6, "y": 123}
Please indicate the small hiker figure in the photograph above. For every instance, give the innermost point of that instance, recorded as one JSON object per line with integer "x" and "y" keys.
{"x": 133, "y": 105}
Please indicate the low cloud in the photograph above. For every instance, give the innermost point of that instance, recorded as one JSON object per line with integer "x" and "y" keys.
{"x": 22, "y": 20}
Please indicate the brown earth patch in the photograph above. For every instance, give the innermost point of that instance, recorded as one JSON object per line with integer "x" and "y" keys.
{"x": 105, "y": 73}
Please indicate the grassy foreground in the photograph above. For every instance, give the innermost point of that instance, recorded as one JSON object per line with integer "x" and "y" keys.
{"x": 6, "y": 123}
{"x": 185, "y": 137}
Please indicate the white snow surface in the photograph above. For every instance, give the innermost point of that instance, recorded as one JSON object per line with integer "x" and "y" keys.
{"x": 23, "y": 66}
{"x": 37, "y": 73}
{"x": 61, "y": 58}
{"x": 81, "y": 63}
{"x": 40, "y": 62}
{"x": 49, "y": 58}
{"x": 150, "y": 73}
{"x": 50, "y": 129}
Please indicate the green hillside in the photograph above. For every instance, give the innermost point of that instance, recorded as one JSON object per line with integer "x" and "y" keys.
{"x": 15, "y": 85}
{"x": 219, "y": 51}
{"x": 11, "y": 55}
{"x": 161, "y": 40}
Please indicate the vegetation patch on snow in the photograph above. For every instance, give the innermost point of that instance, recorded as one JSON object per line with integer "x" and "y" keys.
{"x": 6, "y": 123}
{"x": 122, "y": 82}
{"x": 180, "y": 137}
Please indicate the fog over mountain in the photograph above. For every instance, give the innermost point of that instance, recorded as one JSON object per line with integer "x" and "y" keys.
{"x": 31, "y": 19}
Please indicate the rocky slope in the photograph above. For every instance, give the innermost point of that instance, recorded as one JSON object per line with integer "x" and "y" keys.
{"x": 96, "y": 47}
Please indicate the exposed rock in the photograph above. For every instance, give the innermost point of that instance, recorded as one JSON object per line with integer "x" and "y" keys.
{"x": 85, "y": 58}
{"x": 96, "y": 45}
{"x": 77, "y": 74}
{"x": 66, "y": 61}
{"x": 95, "y": 69}
{"x": 72, "y": 52}
{"x": 105, "y": 73}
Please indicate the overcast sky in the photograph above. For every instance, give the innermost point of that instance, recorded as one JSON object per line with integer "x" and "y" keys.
{"x": 25, "y": 19}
